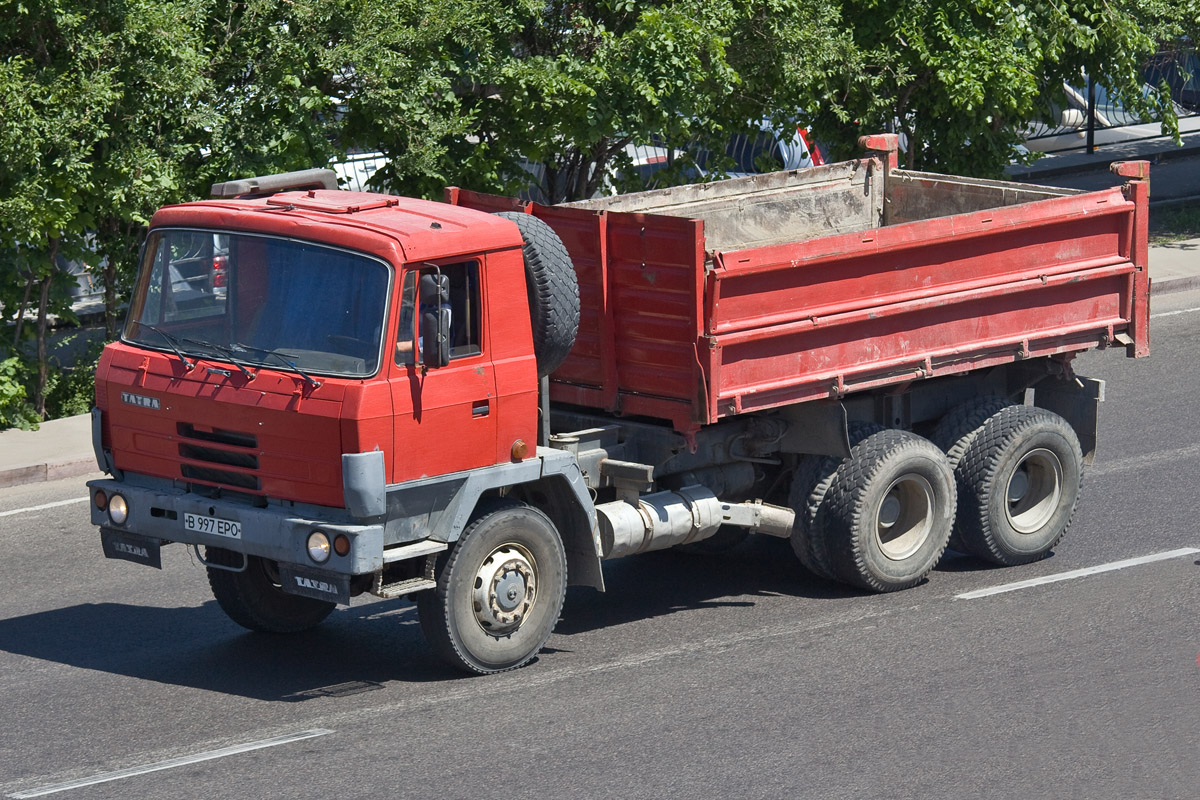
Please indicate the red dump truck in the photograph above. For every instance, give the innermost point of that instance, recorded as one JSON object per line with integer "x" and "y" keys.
{"x": 476, "y": 402}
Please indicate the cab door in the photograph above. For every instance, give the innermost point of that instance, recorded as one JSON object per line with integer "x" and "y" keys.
{"x": 444, "y": 417}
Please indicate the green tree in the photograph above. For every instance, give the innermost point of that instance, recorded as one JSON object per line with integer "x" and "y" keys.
{"x": 962, "y": 80}
{"x": 274, "y": 80}
{"x": 102, "y": 112}
{"x": 483, "y": 92}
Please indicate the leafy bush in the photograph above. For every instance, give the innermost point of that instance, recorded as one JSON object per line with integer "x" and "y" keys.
{"x": 72, "y": 390}
{"x": 15, "y": 409}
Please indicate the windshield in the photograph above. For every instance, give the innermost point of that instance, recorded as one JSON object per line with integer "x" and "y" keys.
{"x": 261, "y": 301}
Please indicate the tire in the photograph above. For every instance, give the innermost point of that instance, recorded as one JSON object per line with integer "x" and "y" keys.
{"x": 553, "y": 291}
{"x": 954, "y": 434}
{"x": 509, "y": 547}
{"x": 810, "y": 484}
{"x": 807, "y": 497}
{"x": 889, "y": 511}
{"x": 253, "y": 599}
{"x": 1019, "y": 483}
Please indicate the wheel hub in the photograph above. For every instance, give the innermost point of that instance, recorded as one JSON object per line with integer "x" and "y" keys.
{"x": 904, "y": 517}
{"x": 1034, "y": 491}
{"x": 505, "y": 590}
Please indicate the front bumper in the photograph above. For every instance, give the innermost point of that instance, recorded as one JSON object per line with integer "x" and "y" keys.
{"x": 277, "y": 532}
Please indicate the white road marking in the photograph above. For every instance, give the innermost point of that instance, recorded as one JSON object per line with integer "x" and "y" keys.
{"x": 104, "y": 777}
{"x": 1077, "y": 573}
{"x": 1140, "y": 463}
{"x": 44, "y": 506}
{"x": 1174, "y": 313}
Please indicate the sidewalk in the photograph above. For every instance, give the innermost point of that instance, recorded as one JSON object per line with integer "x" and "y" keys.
{"x": 62, "y": 448}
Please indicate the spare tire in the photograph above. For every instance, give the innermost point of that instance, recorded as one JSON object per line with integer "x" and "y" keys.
{"x": 553, "y": 291}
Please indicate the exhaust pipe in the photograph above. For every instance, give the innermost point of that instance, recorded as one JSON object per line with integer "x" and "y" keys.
{"x": 665, "y": 519}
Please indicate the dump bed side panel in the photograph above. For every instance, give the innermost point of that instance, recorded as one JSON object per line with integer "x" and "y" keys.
{"x": 656, "y": 282}
{"x": 833, "y": 315}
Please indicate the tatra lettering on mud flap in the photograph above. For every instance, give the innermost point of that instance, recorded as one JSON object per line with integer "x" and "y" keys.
{"x": 314, "y": 584}
{"x": 130, "y": 550}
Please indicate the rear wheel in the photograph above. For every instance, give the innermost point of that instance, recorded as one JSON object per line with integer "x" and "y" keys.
{"x": 810, "y": 484}
{"x": 954, "y": 434}
{"x": 253, "y": 598}
{"x": 1019, "y": 484}
{"x": 499, "y": 591}
{"x": 890, "y": 508}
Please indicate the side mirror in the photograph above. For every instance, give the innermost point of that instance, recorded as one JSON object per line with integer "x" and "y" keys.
{"x": 435, "y": 319}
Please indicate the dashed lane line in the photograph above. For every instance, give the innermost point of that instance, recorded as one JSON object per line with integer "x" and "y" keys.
{"x": 43, "y": 507}
{"x": 1174, "y": 313}
{"x": 182, "y": 761}
{"x": 1077, "y": 573}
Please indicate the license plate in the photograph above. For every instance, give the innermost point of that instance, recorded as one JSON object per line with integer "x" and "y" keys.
{"x": 220, "y": 527}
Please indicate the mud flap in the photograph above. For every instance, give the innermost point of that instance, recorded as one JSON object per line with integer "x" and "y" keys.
{"x": 131, "y": 547}
{"x": 312, "y": 583}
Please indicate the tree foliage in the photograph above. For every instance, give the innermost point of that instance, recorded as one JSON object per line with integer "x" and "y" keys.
{"x": 112, "y": 108}
{"x": 962, "y": 80}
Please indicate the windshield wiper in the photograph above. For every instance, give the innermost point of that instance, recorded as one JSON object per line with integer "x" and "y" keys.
{"x": 173, "y": 342}
{"x": 313, "y": 382}
{"x": 225, "y": 351}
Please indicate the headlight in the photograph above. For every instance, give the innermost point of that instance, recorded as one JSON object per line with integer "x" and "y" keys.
{"x": 318, "y": 547}
{"x": 118, "y": 509}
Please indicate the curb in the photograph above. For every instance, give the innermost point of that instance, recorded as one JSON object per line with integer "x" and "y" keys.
{"x": 1174, "y": 285}
{"x": 40, "y": 473}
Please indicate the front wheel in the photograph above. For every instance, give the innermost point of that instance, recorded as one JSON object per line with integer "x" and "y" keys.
{"x": 253, "y": 598}
{"x": 499, "y": 590}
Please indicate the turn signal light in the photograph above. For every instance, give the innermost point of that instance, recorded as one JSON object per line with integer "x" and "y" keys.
{"x": 100, "y": 499}
{"x": 341, "y": 544}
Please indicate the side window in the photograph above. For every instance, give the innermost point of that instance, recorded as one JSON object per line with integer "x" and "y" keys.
{"x": 408, "y": 322}
{"x": 464, "y": 306}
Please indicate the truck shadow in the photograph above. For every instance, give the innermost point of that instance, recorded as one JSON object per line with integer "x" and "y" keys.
{"x": 357, "y": 649}
{"x": 669, "y": 582}
{"x": 367, "y": 646}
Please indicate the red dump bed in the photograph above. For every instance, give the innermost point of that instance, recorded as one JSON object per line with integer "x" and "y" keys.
{"x": 700, "y": 302}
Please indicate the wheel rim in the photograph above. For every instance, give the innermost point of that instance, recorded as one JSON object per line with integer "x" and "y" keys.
{"x": 904, "y": 517}
{"x": 1033, "y": 491}
{"x": 505, "y": 589}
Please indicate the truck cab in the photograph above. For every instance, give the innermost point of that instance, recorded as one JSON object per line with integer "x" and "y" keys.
{"x": 353, "y": 342}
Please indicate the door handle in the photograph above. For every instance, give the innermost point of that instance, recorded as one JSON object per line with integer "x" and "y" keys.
{"x": 481, "y": 408}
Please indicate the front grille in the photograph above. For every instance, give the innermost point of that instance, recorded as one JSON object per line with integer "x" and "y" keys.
{"x": 239, "y": 479}
{"x": 217, "y": 436}
{"x": 220, "y": 456}
{"x": 229, "y": 457}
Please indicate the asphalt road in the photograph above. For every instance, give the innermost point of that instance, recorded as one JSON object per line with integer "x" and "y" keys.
{"x": 691, "y": 677}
